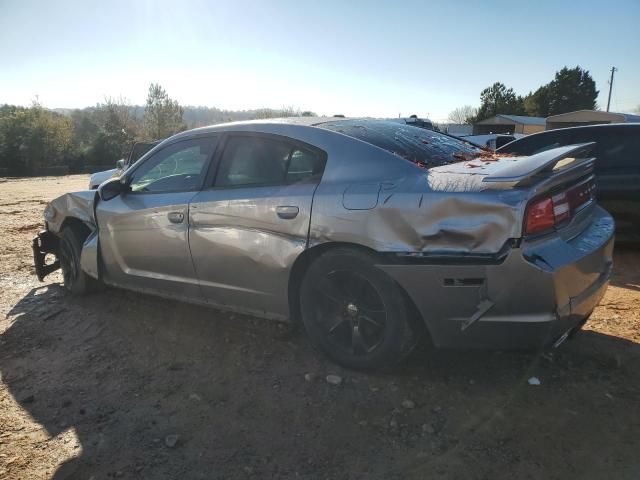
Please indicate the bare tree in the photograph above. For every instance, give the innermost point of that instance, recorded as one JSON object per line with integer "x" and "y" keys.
{"x": 463, "y": 114}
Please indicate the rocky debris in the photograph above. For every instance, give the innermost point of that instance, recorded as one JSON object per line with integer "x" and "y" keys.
{"x": 428, "y": 428}
{"x": 408, "y": 404}
{"x": 171, "y": 440}
{"x": 334, "y": 379}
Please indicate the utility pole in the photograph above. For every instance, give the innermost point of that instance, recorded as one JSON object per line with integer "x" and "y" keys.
{"x": 613, "y": 70}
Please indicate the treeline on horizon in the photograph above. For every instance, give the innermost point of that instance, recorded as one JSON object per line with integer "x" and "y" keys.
{"x": 39, "y": 141}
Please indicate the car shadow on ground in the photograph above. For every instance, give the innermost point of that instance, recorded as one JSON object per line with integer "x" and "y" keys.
{"x": 159, "y": 389}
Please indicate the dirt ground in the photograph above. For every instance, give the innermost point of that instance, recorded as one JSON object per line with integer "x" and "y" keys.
{"x": 119, "y": 385}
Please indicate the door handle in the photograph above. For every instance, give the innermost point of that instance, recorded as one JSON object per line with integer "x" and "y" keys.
{"x": 287, "y": 211}
{"x": 176, "y": 217}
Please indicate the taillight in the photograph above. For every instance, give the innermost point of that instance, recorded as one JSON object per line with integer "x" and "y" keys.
{"x": 548, "y": 212}
{"x": 539, "y": 216}
{"x": 561, "y": 207}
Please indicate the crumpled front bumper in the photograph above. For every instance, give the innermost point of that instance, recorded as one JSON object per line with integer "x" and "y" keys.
{"x": 43, "y": 244}
{"x": 533, "y": 297}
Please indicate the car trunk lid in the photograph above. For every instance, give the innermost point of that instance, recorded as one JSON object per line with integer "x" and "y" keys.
{"x": 551, "y": 187}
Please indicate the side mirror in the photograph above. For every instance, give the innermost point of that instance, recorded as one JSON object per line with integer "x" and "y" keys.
{"x": 121, "y": 164}
{"x": 112, "y": 188}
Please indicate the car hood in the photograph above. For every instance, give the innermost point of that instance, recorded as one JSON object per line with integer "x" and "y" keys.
{"x": 97, "y": 178}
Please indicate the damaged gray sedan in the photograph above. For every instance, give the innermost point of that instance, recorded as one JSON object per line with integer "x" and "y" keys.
{"x": 369, "y": 232}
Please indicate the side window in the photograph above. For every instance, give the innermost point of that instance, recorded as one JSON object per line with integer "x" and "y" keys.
{"x": 616, "y": 152}
{"x": 303, "y": 164}
{"x": 253, "y": 160}
{"x": 180, "y": 167}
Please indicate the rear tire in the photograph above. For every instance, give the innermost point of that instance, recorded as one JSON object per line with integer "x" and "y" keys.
{"x": 355, "y": 313}
{"x": 76, "y": 280}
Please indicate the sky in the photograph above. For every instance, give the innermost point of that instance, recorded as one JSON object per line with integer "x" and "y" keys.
{"x": 351, "y": 57}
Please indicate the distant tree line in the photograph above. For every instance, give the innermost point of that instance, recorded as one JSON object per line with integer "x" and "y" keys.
{"x": 34, "y": 139}
{"x": 571, "y": 89}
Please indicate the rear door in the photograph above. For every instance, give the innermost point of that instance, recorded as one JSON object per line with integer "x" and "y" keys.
{"x": 144, "y": 232}
{"x": 251, "y": 223}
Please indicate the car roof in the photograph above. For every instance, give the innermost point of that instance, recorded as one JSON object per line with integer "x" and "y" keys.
{"x": 303, "y": 121}
{"x": 591, "y": 127}
{"x": 633, "y": 126}
{"x": 323, "y": 132}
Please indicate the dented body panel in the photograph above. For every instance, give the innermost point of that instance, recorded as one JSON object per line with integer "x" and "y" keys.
{"x": 241, "y": 248}
{"x": 451, "y": 235}
{"x": 535, "y": 293}
{"x": 78, "y": 205}
{"x": 141, "y": 248}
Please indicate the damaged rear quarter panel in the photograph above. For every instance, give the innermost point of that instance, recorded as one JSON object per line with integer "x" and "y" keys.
{"x": 420, "y": 212}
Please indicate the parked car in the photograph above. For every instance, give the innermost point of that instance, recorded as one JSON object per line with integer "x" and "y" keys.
{"x": 370, "y": 233}
{"x": 137, "y": 151}
{"x": 491, "y": 141}
{"x": 414, "y": 121}
{"x": 617, "y": 167}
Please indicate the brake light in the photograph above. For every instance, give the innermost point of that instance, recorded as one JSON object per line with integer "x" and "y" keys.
{"x": 539, "y": 216}
{"x": 548, "y": 212}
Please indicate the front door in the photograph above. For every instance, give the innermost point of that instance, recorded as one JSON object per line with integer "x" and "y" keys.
{"x": 144, "y": 232}
{"x": 249, "y": 226}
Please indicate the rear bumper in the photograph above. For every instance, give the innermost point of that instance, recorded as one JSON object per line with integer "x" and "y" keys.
{"x": 535, "y": 295}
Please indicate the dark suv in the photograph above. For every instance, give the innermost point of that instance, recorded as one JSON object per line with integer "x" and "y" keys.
{"x": 617, "y": 153}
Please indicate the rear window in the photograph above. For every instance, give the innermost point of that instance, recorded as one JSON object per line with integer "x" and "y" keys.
{"x": 417, "y": 145}
{"x": 616, "y": 147}
{"x": 536, "y": 143}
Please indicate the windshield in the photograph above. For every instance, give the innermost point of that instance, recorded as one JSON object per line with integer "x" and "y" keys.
{"x": 424, "y": 147}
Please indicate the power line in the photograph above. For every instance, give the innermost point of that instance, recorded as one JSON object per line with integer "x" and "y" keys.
{"x": 613, "y": 70}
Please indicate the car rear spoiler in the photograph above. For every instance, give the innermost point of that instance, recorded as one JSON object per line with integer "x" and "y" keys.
{"x": 523, "y": 171}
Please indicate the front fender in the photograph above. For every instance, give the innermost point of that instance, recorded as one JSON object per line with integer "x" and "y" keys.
{"x": 70, "y": 207}
{"x": 90, "y": 254}
{"x": 78, "y": 205}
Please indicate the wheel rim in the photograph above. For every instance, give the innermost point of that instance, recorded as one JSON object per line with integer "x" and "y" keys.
{"x": 350, "y": 312}
{"x": 68, "y": 263}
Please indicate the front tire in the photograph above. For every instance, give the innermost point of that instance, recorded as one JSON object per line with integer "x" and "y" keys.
{"x": 76, "y": 280}
{"x": 355, "y": 313}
